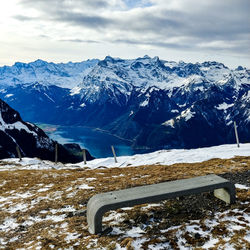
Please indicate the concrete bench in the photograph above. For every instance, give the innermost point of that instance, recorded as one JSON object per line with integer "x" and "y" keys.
{"x": 101, "y": 203}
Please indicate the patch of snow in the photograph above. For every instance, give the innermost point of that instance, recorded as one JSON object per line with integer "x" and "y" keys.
{"x": 187, "y": 114}
{"x": 85, "y": 186}
{"x": 169, "y": 157}
{"x": 17, "y": 125}
{"x": 169, "y": 123}
{"x": 174, "y": 111}
{"x": 18, "y": 207}
{"x": 72, "y": 194}
{"x": 71, "y": 236}
{"x": 135, "y": 232}
{"x": 55, "y": 218}
{"x": 151, "y": 205}
{"x": 209, "y": 244}
{"x": 75, "y": 91}
{"x": 170, "y": 64}
{"x": 224, "y": 106}
{"x": 69, "y": 189}
{"x": 229, "y": 123}
{"x": 42, "y": 190}
{"x": 182, "y": 106}
{"x": 137, "y": 243}
{"x": 162, "y": 157}
{"x": 126, "y": 208}
{"x": 240, "y": 186}
{"x": 144, "y": 103}
{"x": 90, "y": 179}
{"x": 64, "y": 225}
{"x": 114, "y": 216}
{"x": 8, "y": 224}
{"x": 49, "y": 97}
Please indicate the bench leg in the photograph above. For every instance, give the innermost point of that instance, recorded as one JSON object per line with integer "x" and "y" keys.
{"x": 94, "y": 222}
{"x": 222, "y": 194}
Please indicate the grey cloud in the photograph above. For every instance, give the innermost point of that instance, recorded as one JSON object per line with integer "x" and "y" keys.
{"x": 96, "y": 4}
{"x": 45, "y": 36}
{"x": 154, "y": 23}
{"x": 203, "y": 25}
{"x": 80, "y": 19}
{"x": 190, "y": 29}
{"x": 152, "y": 43}
{"x": 78, "y": 41}
{"x": 65, "y": 11}
{"x": 126, "y": 41}
{"x": 23, "y": 18}
{"x": 192, "y": 24}
{"x": 188, "y": 45}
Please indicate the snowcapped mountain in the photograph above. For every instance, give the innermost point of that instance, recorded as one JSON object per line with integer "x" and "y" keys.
{"x": 154, "y": 103}
{"x": 66, "y": 75}
{"x": 30, "y": 139}
{"x": 147, "y": 72}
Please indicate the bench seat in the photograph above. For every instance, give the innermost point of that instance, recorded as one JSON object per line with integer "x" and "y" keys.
{"x": 101, "y": 203}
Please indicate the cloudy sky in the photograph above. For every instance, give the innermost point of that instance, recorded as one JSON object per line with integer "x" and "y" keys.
{"x": 76, "y": 30}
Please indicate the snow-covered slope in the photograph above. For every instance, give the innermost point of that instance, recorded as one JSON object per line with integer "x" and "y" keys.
{"x": 146, "y": 72}
{"x": 15, "y": 132}
{"x": 162, "y": 157}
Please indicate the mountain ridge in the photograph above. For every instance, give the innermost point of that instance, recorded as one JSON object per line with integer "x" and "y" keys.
{"x": 61, "y": 74}
{"x": 155, "y": 103}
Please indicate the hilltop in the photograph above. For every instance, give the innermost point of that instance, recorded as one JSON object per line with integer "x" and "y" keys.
{"x": 43, "y": 205}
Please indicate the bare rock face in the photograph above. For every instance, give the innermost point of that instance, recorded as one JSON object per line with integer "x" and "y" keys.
{"x": 31, "y": 140}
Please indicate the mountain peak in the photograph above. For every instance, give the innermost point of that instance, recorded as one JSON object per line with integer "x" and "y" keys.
{"x": 19, "y": 64}
{"x": 109, "y": 59}
{"x": 156, "y": 58}
{"x": 39, "y": 63}
{"x": 239, "y": 68}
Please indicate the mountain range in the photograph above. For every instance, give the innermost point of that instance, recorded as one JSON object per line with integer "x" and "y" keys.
{"x": 151, "y": 102}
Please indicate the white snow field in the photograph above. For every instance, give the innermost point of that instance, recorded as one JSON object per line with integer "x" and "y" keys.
{"x": 161, "y": 157}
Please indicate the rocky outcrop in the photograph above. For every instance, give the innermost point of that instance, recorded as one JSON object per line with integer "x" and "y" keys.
{"x": 31, "y": 140}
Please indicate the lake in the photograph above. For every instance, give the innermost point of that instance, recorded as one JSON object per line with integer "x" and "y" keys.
{"x": 98, "y": 143}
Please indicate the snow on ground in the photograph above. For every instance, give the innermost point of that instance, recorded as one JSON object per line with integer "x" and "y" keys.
{"x": 45, "y": 208}
{"x": 162, "y": 157}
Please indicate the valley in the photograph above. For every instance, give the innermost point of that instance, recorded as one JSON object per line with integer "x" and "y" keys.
{"x": 96, "y": 141}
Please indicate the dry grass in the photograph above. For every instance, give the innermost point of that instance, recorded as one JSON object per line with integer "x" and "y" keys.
{"x": 34, "y": 198}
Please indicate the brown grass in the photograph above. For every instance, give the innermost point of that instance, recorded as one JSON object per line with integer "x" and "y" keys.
{"x": 63, "y": 191}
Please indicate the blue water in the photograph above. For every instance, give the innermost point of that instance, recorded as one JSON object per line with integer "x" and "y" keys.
{"x": 96, "y": 142}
